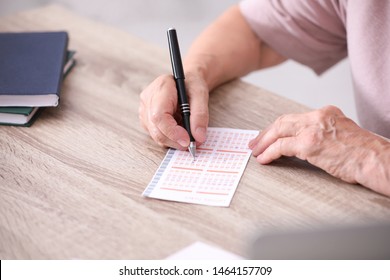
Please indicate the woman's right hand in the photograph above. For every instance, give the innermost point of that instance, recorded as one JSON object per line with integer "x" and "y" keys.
{"x": 160, "y": 115}
{"x": 224, "y": 51}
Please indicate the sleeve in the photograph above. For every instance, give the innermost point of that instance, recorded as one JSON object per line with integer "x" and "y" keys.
{"x": 309, "y": 32}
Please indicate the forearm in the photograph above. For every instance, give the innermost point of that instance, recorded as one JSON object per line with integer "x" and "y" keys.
{"x": 228, "y": 49}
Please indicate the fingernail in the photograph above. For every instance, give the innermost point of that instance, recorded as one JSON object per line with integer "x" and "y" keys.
{"x": 182, "y": 142}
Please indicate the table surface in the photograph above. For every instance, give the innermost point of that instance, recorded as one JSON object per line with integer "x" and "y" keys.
{"x": 71, "y": 185}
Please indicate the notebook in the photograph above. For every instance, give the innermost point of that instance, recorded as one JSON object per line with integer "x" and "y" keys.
{"x": 31, "y": 68}
{"x": 24, "y": 116}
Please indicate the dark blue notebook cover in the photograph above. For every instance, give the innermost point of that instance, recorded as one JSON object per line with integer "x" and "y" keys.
{"x": 31, "y": 68}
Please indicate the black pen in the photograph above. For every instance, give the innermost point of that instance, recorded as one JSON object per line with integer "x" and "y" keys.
{"x": 178, "y": 74}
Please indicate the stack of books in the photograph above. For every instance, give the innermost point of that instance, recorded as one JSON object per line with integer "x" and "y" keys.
{"x": 32, "y": 68}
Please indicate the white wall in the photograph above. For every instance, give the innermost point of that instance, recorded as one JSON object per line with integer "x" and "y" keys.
{"x": 149, "y": 20}
{"x": 301, "y": 84}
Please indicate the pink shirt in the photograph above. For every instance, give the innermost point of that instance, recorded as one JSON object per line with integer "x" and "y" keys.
{"x": 319, "y": 33}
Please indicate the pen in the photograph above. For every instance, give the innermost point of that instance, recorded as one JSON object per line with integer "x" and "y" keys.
{"x": 178, "y": 74}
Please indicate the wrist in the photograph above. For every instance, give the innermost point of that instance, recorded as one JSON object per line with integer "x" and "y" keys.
{"x": 374, "y": 171}
{"x": 205, "y": 67}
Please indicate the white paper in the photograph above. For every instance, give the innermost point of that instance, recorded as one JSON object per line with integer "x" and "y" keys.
{"x": 202, "y": 251}
{"x": 210, "y": 179}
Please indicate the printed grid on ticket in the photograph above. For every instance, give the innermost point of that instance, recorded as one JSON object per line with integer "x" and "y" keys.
{"x": 212, "y": 178}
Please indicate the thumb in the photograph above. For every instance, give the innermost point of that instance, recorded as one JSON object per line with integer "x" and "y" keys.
{"x": 199, "y": 100}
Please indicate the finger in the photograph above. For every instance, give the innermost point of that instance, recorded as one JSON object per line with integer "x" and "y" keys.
{"x": 146, "y": 95}
{"x": 284, "y": 126}
{"x": 282, "y": 147}
{"x": 252, "y": 143}
{"x": 199, "y": 117}
{"x": 163, "y": 127}
{"x": 199, "y": 99}
{"x": 160, "y": 138}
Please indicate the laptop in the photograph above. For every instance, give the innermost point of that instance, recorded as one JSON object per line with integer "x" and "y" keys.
{"x": 357, "y": 242}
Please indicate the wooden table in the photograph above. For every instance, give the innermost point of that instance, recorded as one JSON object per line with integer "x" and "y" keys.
{"x": 71, "y": 185}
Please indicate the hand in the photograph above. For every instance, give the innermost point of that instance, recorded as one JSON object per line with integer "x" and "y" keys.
{"x": 329, "y": 140}
{"x": 160, "y": 116}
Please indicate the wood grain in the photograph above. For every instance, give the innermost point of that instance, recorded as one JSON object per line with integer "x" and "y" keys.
{"x": 70, "y": 185}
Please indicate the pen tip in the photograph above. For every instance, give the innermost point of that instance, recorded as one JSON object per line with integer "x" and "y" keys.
{"x": 192, "y": 149}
